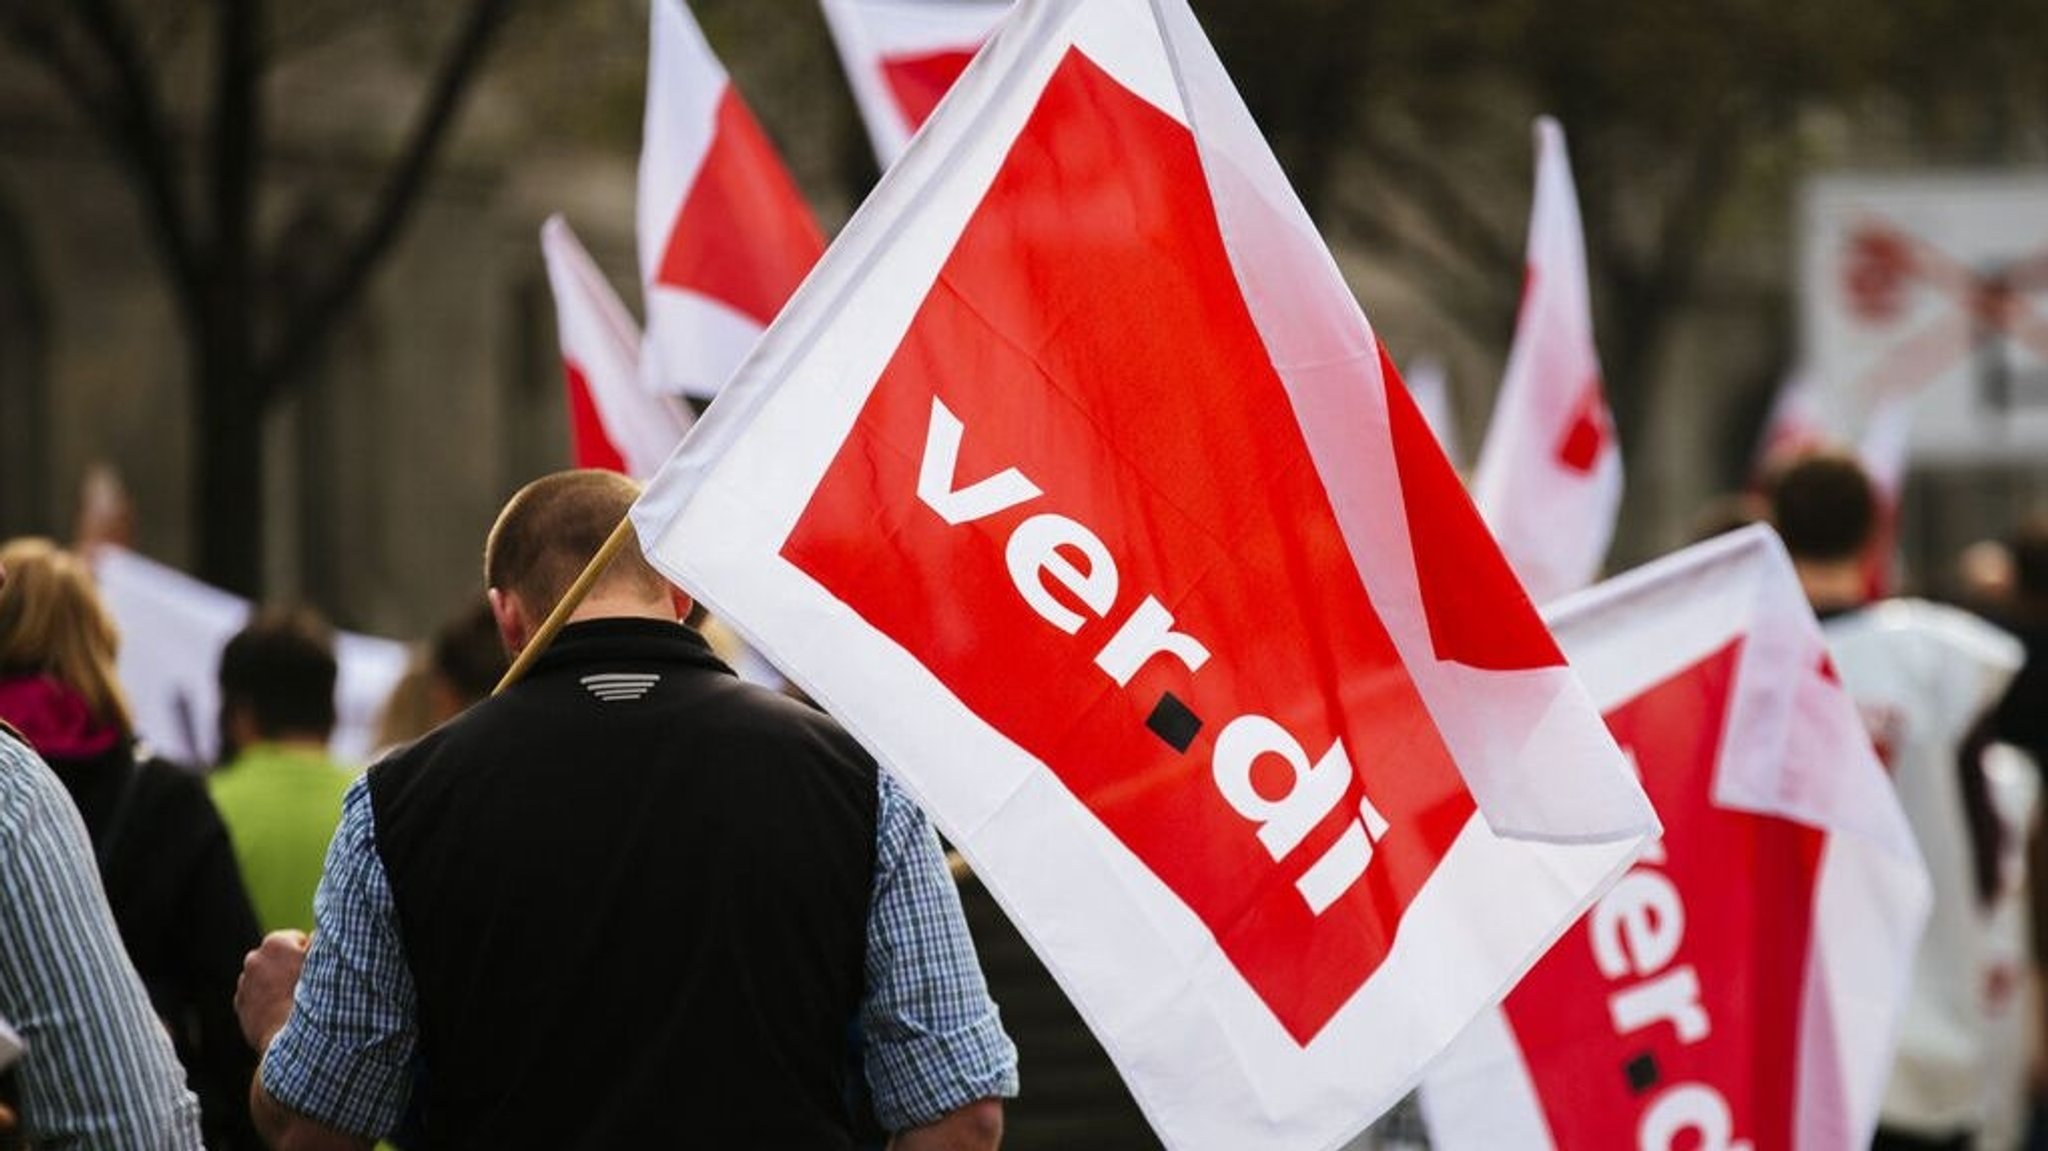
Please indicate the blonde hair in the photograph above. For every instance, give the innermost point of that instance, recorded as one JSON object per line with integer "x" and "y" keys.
{"x": 52, "y": 623}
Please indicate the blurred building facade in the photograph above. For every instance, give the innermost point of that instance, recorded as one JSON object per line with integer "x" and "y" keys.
{"x": 441, "y": 393}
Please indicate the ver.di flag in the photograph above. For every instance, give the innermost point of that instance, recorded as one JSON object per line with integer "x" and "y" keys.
{"x": 901, "y": 57}
{"x": 1074, "y": 482}
{"x": 1549, "y": 473}
{"x": 614, "y": 420}
{"x": 724, "y": 235}
{"x": 1741, "y": 986}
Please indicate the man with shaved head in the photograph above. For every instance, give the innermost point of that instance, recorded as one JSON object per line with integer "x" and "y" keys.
{"x": 631, "y": 901}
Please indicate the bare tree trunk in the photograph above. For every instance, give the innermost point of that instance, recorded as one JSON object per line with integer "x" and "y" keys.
{"x": 229, "y": 464}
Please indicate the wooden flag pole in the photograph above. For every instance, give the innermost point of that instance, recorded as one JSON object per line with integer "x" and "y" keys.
{"x": 571, "y": 599}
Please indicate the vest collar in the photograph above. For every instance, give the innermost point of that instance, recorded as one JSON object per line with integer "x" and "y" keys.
{"x": 631, "y": 640}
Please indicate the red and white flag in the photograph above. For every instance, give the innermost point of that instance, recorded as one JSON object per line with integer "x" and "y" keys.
{"x": 901, "y": 56}
{"x": 1741, "y": 986}
{"x": 724, "y": 235}
{"x": 614, "y": 420}
{"x": 1549, "y": 476}
{"x": 1074, "y": 482}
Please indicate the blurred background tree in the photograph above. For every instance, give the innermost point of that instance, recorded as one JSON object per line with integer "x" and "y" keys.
{"x": 1405, "y": 126}
{"x": 196, "y": 162}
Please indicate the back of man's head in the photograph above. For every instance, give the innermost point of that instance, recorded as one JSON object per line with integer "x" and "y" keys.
{"x": 1825, "y": 508}
{"x": 549, "y": 531}
{"x": 279, "y": 672}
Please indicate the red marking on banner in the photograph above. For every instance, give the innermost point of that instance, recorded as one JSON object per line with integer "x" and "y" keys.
{"x": 1698, "y": 957}
{"x": 1876, "y": 273}
{"x": 1133, "y": 398}
{"x": 1587, "y": 434}
{"x": 1468, "y": 623}
{"x": 593, "y": 448}
{"x": 744, "y": 236}
{"x": 918, "y": 82}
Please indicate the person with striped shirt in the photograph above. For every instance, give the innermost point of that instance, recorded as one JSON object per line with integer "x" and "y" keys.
{"x": 631, "y": 901}
{"x": 97, "y": 1070}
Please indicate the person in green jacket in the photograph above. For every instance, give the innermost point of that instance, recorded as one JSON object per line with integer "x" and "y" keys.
{"x": 278, "y": 790}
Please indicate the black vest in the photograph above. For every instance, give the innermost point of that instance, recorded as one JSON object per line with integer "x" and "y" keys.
{"x": 633, "y": 894}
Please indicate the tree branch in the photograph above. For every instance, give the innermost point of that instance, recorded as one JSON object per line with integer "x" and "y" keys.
{"x": 234, "y": 143}
{"x": 1430, "y": 189}
{"x": 1471, "y": 303}
{"x": 132, "y": 119}
{"x": 1647, "y": 294}
{"x": 306, "y": 327}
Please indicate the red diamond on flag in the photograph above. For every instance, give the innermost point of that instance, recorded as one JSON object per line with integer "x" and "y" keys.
{"x": 1587, "y": 433}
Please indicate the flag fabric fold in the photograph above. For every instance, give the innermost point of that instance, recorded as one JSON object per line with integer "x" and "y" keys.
{"x": 1741, "y": 986}
{"x": 724, "y": 235}
{"x": 1549, "y": 474}
{"x": 902, "y": 56}
{"x": 615, "y": 421}
{"x": 1074, "y": 482}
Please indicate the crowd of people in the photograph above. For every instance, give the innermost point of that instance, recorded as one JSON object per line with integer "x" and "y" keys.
{"x": 634, "y": 895}
{"x": 631, "y": 896}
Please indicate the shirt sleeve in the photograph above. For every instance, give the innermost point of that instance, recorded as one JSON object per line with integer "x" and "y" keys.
{"x": 97, "y": 1068}
{"x": 345, "y": 1056}
{"x": 934, "y": 1041}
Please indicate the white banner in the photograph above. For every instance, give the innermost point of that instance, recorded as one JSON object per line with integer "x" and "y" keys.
{"x": 173, "y": 628}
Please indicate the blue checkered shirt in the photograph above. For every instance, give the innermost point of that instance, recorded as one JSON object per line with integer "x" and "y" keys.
{"x": 933, "y": 1041}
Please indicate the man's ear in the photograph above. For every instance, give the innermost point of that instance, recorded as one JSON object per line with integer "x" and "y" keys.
{"x": 514, "y": 629}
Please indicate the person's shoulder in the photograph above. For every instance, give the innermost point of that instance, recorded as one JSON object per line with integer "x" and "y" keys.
{"x": 19, "y": 766}
{"x": 1948, "y": 632}
{"x": 29, "y": 790}
{"x": 407, "y": 760}
{"x": 161, "y": 784}
{"x": 754, "y": 703}
{"x": 757, "y": 712}
{"x": 162, "y": 778}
